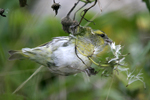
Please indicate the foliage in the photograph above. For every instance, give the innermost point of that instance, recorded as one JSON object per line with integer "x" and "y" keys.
{"x": 147, "y": 4}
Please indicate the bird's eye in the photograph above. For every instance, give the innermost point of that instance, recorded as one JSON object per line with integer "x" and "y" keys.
{"x": 102, "y": 35}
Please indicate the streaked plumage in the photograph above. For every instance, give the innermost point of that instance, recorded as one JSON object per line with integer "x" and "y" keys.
{"x": 60, "y": 55}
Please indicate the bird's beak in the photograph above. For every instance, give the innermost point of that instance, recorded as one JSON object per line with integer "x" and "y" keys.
{"x": 108, "y": 41}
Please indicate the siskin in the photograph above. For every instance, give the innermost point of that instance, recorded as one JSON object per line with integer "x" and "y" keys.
{"x": 67, "y": 55}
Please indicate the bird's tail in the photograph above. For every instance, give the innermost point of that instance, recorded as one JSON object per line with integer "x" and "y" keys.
{"x": 16, "y": 55}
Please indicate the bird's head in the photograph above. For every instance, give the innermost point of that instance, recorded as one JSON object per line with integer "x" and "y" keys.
{"x": 102, "y": 37}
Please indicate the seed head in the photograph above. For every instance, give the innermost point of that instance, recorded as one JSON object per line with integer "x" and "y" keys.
{"x": 66, "y": 23}
{"x": 55, "y": 7}
{"x": 2, "y": 11}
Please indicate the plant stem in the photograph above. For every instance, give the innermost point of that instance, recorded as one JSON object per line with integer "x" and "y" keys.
{"x": 72, "y": 8}
{"x": 28, "y": 79}
{"x": 86, "y": 10}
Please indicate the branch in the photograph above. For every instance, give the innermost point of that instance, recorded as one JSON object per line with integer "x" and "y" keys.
{"x": 86, "y": 10}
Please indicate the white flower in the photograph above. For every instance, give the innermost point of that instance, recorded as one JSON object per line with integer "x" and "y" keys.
{"x": 133, "y": 78}
{"x": 122, "y": 68}
{"x": 129, "y": 74}
{"x": 116, "y": 52}
{"x": 119, "y": 62}
{"x": 112, "y": 45}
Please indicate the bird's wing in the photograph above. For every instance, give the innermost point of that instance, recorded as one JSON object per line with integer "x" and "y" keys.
{"x": 85, "y": 46}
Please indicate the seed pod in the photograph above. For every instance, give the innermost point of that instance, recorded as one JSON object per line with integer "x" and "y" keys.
{"x": 23, "y": 3}
{"x": 55, "y": 7}
{"x": 73, "y": 27}
{"x": 2, "y": 11}
{"x": 66, "y": 23}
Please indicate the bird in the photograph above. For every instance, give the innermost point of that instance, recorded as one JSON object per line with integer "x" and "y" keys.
{"x": 67, "y": 55}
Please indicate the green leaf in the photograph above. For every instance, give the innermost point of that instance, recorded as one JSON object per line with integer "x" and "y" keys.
{"x": 87, "y": 1}
{"x": 147, "y": 4}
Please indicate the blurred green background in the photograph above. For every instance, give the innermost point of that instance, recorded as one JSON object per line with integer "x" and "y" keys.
{"x": 22, "y": 29}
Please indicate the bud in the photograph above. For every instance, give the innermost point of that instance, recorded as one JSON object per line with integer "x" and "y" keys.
{"x": 55, "y": 7}
{"x": 2, "y": 11}
{"x": 66, "y": 23}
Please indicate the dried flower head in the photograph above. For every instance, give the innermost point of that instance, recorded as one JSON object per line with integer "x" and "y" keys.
{"x": 2, "y": 11}
{"x": 73, "y": 27}
{"x": 55, "y": 7}
{"x": 23, "y": 3}
{"x": 66, "y": 23}
{"x": 69, "y": 26}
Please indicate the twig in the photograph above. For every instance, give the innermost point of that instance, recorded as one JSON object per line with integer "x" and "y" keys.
{"x": 78, "y": 10}
{"x": 77, "y": 54}
{"x": 92, "y": 19}
{"x": 72, "y": 8}
{"x": 87, "y": 19}
{"x": 95, "y": 14}
{"x": 110, "y": 87}
{"x": 86, "y": 10}
{"x": 99, "y": 5}
{"x": 28, "y": 79}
